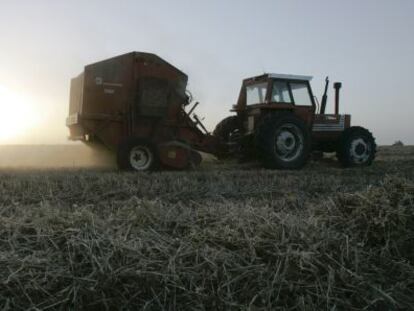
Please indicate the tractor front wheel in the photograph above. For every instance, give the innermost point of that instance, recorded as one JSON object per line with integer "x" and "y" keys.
{"x": 283, "y": 141}
{"x": 357, "y": 147}
{"x": 137, "y": 155}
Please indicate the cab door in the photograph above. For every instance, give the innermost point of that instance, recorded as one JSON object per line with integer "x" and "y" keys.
{"x": 294, "y": 95}
{"x": 303, "y": 100}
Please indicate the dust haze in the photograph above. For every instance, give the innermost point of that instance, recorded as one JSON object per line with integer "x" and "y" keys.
{"x": 56, "y": 156}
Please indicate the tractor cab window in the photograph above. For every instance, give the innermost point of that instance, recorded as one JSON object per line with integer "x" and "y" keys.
{"x": 256, "y": 93}
{"x": 301, "y": 93}
{"x": 280, "y": 92}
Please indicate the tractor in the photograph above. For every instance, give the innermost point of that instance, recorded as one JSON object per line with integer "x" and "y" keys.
{"x": 279, "y": 121}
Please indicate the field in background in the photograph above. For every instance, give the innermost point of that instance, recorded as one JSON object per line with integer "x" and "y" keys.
{"x": 225, "y": 236}
{"x": 74, "y": 155}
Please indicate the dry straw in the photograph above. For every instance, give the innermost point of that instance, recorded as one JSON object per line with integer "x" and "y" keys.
{"x": 232, "y": 240}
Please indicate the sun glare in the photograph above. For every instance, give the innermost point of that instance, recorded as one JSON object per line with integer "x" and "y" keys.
{"x": 17, "y": 116}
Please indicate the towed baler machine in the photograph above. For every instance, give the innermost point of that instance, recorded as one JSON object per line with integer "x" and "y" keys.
{"x": 135, "y": 104}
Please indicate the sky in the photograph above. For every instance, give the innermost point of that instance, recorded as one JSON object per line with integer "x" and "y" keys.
{"x": 367, "y": 45}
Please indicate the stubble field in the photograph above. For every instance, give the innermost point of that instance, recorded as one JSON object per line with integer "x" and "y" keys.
{"x": 223, "y": 237}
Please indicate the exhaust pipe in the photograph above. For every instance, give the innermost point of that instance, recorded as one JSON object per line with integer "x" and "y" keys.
{"x": 337, "y": 86}
{"x": 324, "y": 97}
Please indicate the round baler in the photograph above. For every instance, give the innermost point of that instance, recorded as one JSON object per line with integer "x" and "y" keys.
{"x": 134, "y": 104}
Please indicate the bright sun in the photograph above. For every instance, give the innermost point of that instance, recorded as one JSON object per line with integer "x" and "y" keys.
{"x": 17, "y": 116}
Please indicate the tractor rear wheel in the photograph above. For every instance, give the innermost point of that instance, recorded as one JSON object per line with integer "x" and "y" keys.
{"x": 137, "y": 155}
{"x": 283, "y": 141}
{"x": 357, "y": 147}
{"x": 229, "y": 133}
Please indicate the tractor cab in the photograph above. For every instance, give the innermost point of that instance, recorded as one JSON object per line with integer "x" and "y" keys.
{"x": 284, "y": 90}
{"x": 272, "y": 93}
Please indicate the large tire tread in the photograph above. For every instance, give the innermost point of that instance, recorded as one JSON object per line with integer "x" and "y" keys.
{"x": 346, "y": 137}
{"x": 264, "y": 141}
{"x": 225, "y": 126}
{"x": 124, "y": 149}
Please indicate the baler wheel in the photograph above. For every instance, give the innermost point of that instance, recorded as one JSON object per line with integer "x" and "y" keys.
{"x": 137, "y": 155}
{"x": 356, "y": 147}
{"x": 282, "y": 141}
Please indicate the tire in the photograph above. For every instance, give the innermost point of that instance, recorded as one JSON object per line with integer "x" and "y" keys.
{"x": 283, "y": 141}
{"x": 137, "y": 155}
{"x": 228, "y": 132}
{"x": 356, "y": 147}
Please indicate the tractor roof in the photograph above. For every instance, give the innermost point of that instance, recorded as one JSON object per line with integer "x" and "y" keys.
{"x": 289, "y": 77}
{"x": 279, "y": 76}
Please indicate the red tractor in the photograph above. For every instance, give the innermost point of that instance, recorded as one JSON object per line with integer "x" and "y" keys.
{"x": 279, "y": 121}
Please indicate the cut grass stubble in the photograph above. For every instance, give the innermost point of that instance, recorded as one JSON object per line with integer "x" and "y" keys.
{"x": 321, "y": 238}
